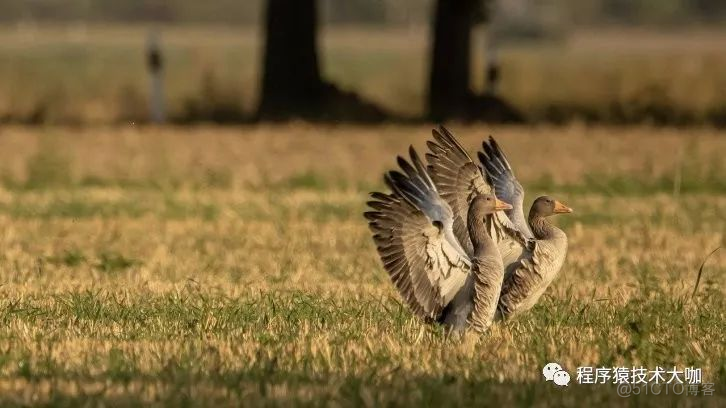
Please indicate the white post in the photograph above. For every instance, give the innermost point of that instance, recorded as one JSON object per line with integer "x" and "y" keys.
{"x": 156, "y": 80}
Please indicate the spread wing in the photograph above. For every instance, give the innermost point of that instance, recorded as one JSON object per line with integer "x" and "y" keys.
{"x": 500, "y": 175}
{"x": 458, "y": 180}
{"x": 412, "y": 230}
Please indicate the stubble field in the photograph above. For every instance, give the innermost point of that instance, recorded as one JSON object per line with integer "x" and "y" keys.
{"x": 232, "y": 266}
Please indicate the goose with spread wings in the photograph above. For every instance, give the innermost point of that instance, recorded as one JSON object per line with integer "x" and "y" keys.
{"x": 532, "y": 249}
{"x": 439, "y": 279}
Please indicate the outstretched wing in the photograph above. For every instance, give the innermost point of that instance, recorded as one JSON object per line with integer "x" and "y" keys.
{"x": 500, "y": 175}
{"x": 458, "y": 181}
{"x": 412, "y": 230}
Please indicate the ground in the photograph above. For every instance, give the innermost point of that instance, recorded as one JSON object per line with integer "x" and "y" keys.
{"x": 222, "y": 266}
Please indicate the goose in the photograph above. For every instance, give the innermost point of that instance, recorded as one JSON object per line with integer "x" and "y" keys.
{"x": 413, "y": 232}
{"x": 532, "y": 249}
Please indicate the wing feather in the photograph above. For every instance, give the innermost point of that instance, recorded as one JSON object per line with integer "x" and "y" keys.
{"x": 458, "y": 181}
{"x": 412, "y": 230}
{"x": 500, "y": 175}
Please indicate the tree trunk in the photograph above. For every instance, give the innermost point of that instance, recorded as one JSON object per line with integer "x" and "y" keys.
{"x": 291, "y": 83}
{"x": 449, "y": 89}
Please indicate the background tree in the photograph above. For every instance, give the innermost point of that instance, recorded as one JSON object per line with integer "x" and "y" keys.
{"x": 292, "y": 85}
{"x": 451, "y": 57}
{"x": 291, "y": 79}
{"x": 450, "y": 93}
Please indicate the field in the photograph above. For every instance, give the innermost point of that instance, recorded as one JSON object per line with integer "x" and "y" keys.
{"x": 93, "y": 74}
{"x": 232, "y": 266}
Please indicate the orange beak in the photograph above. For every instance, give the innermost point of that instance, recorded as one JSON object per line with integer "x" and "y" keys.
{"x": 501, "y": 205}
{"x": 561, "y": 208}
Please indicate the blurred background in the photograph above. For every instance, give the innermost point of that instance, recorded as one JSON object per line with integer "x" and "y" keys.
{"x": 183, "y": 61}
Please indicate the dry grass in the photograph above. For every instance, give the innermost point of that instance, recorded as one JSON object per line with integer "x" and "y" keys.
{"x": 348, "y": 156}
{"x": 221, "y": 266}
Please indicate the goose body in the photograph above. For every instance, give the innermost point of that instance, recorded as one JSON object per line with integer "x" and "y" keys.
{"x": 476, "y": 301}
{"x": 456, "y": 254}
{"x": 413, "y": 232}
{"x": 532, "y": 249}
{"x": 528, "y": 277}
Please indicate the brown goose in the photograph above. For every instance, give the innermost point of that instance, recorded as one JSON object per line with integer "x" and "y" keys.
{"x": 413, "y": 232}
{"x": 532, "y": 250}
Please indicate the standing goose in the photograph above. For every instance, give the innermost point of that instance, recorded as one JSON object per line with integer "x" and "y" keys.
{"x": 413, "y": 232}
{"x": 532, "y": 250}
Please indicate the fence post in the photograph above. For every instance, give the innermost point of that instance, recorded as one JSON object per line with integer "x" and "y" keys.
{"x": 155, "y": 65}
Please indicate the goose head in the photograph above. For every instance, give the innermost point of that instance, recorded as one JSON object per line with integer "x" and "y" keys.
{"x": 546, "y": 206}
{"x": 481, "y": 209}
{"x": 486, "y": 204}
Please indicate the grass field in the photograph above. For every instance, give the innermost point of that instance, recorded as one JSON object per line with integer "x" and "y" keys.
{"x": 91, "y": 74}
{"x": 232, "y": 266}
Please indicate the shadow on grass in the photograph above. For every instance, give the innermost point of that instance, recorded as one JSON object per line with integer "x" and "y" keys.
{"x": 293, "y": 389}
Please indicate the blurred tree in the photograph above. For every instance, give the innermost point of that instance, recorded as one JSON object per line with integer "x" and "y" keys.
{"x": 451, "y": 59}
{"x": 292, "y": 86}
{"x": 711, "y": 10}
{"x": 450, "y": 93}
{"x": 291, "y": 78}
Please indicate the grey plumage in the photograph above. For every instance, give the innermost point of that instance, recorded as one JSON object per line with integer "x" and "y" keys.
{"x": 452, "y": 258}
{"x": 499, "y": 174}
{"x": 528, "y": 276}
{"x": 531, "y": 262}
{"x": 413, "y": 232}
